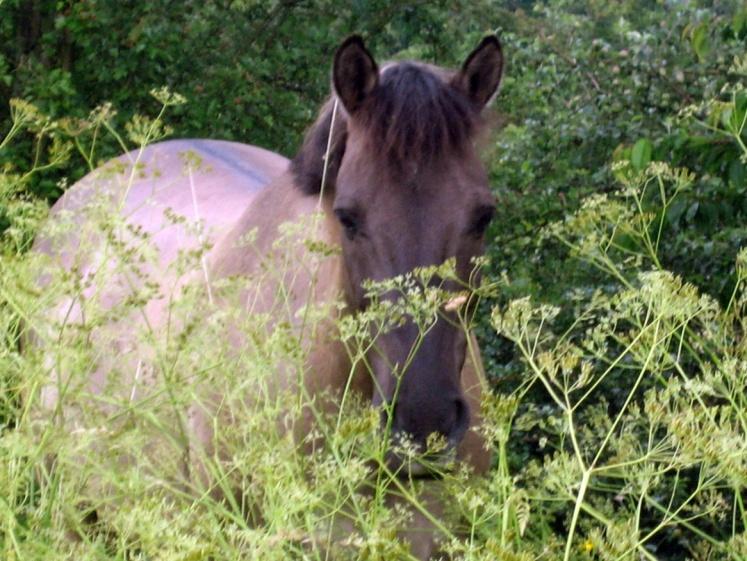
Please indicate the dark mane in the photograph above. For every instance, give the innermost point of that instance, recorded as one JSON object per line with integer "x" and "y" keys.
{"x": 308, "y": 164}
{"x": 413, "y": 118}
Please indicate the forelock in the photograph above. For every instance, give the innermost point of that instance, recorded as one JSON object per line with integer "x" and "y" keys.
{"x": 414, "y": 117}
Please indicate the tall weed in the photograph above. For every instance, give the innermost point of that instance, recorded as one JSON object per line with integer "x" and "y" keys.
{"x": 641, "y": 448}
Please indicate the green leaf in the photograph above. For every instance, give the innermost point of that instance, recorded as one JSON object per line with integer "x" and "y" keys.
{"x": 640, "y": 156}
{"x": 700, "y": 41}
{"x": 692, "y": 211}
{"x": 726, "y": 118}
{"x": 737, "y": 175}
{"x": 739, "y": 22}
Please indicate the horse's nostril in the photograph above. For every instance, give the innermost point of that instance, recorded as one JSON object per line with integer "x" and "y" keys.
{"x": 461, "y": 420}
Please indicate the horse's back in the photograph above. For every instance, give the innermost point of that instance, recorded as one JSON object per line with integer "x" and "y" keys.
{"x": 164, "y": 188}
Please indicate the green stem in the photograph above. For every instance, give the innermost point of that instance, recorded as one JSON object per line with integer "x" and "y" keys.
{"x": 576, "y": 511}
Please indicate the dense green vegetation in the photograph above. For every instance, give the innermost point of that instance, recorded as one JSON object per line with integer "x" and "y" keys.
{"x": 614, "y": 335}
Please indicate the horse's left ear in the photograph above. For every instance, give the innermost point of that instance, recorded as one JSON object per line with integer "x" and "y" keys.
{"x": 354, "y": 73}
{"x": 481, "y": 73}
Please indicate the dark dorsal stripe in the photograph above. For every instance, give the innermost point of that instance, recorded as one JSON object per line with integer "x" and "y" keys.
{"x": 413, "y": 118}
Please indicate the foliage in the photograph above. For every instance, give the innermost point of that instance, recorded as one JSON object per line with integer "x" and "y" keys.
{"x": 591, "y": 84}
{"x": 119, "y": 453}
{"x": 648, "y": 426}
{"x": 252, "y": 71}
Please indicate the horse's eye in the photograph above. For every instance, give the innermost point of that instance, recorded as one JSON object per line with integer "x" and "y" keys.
{"x": 349, "y": 220}
{"x": 481, "y": 220}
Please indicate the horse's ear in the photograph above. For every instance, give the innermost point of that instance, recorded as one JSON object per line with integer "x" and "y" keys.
{"x": 481, "y": 73}
{"x": 354, "y": 73}
{"x": 324, "y": 145}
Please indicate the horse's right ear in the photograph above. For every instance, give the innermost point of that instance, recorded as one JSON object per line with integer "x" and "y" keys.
{"x": 354, "y": 73}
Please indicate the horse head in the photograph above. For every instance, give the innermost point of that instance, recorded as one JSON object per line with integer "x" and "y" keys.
{"x": 409, "y": 190}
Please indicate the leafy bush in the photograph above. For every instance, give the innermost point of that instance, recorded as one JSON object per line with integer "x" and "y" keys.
{"x": 587, "y": 84}
{"x": 252, "y": 71}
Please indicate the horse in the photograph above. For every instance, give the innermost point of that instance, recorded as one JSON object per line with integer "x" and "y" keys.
{"x": 391, "y": 173}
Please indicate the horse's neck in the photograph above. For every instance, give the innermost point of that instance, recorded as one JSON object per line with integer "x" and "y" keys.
{"x": 284, "y": 236}
{"x": 283, "y": 252}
